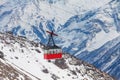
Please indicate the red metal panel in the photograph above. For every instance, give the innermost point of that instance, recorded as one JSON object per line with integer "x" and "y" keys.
{"x": 53, "y": 56}
{"x": 52, "y": 33}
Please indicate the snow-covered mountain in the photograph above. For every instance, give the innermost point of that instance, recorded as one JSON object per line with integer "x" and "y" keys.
{"x": 27, "y": 57}
{"x": 82, "y": 25}
{"x": 106, "y": 58}
{"x": 31, "y": 18}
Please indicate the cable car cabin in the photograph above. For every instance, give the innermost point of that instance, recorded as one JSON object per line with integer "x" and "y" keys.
{"x": 52, "y": 52}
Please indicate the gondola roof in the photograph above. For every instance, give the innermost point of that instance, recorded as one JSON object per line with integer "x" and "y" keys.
{"x": 51, "y": 47}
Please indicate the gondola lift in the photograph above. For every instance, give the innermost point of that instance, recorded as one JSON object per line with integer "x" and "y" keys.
{"x": 51, "y": 50}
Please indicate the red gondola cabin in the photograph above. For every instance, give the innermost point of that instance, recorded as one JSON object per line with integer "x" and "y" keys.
{"x": 51, "y": 51}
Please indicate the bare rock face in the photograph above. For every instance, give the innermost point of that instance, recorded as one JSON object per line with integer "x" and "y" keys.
{"x": 1, "y": 54}
{"x": 61, "y": 63}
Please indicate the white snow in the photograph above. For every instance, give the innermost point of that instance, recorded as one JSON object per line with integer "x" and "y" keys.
{"x": 100, "y": 39}
{"x": 22, "y": 55}
{"x": 32, "y": 62}
{"x": 61, "y": 11}
{"x": 2, "y": 2}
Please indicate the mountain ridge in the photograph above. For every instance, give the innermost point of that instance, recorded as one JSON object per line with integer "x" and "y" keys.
{"x": 18, "y": 52}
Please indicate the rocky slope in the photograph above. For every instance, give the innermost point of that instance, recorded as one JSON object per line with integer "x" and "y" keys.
{"x": 28, "y": 56}
{"x": 7, "y": 72}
